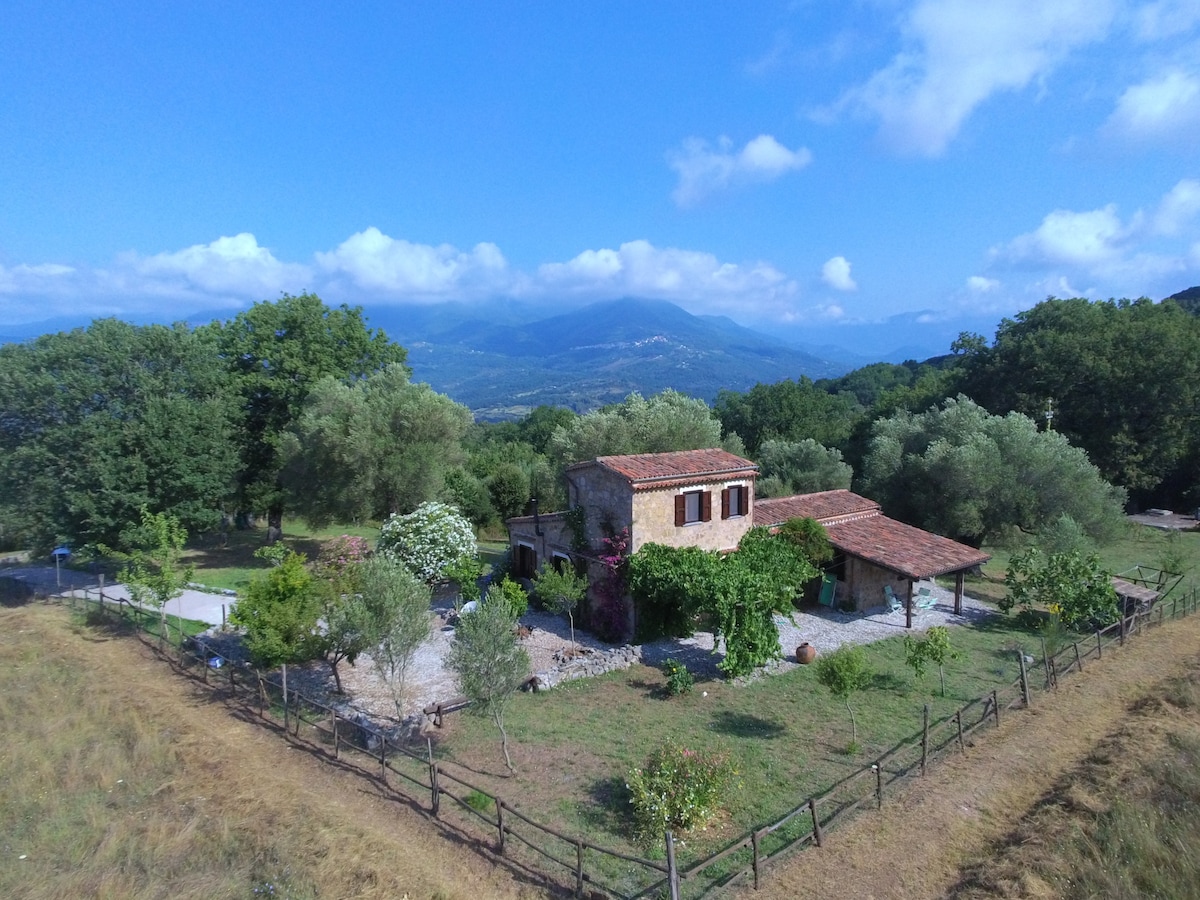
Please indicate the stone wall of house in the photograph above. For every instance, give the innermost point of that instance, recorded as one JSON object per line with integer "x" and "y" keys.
{"x": 555, "y": 536}
{"x": 654, "y": 519}
{"x": 606, "y": 498}
{"x": 865, "y": 582}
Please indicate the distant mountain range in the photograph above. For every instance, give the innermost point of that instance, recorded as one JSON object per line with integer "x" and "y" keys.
{"x": 590, "y": 356}
{"x": 504, "y": 357}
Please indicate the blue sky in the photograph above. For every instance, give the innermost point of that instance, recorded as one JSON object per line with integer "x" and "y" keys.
{"x": 803, "y": 162}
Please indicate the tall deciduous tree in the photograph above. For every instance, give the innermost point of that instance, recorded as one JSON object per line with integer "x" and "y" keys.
{"x": 277, "y": 352}
{"x": 788, "y": 410}
{"x": 664, "y": 422}
{"x": 961, "y": 472}
{"x": 370, "y": 448}
{"x": 800, "y": 467}
{"x": 97, "y": 423}
{"x": 1122, "y": 379}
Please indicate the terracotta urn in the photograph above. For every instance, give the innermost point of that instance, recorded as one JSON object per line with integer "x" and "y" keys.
{"x": 806, "y": 653}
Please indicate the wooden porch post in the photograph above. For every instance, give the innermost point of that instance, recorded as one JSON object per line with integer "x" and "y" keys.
{"x": 908, "y": 606}
{"x": 958, "y": 592}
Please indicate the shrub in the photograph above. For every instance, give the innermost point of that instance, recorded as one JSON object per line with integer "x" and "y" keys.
{"x": 427, "y": 540}
{"x": 677, "y": 789}
{"x": 511, "y": 594}
{"x": 679, "y": 679}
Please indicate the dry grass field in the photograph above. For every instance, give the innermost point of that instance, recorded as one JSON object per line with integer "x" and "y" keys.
{"x": 120, "y": 779}
{"x": 959, "y": 831}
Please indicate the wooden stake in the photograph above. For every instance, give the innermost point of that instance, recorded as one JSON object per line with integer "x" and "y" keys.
{"x": 1078, "y": 658}
{"x": 958, "y": 719}
{"x": 672, "y": 868}
{"x": 1024, "y": 678}
{"x": 754, "y": 848}
{"x": 924, "y": 738}
{"x": 578, "y": 868}
{"x": 996, "y": 706}
{"x": 500, "y": 825}
{"x": 817, "y": 836}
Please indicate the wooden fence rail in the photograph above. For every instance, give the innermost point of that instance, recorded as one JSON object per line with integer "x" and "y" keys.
{"x": 804, "y": 825}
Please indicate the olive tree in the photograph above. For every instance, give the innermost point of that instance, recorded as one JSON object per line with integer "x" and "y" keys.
{"x": 490, "y": 663}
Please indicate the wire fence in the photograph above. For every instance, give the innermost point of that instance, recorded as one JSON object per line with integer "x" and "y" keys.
{"x": 571, "y": 862}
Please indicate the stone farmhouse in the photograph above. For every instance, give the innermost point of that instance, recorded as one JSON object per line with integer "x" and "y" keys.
{"x": 705, "y": 498}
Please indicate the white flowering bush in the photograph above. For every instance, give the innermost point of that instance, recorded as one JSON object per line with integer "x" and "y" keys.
{"x": 427, "y": 540}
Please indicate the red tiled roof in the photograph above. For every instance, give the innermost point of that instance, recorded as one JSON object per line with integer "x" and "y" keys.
{"x": 902, "y": 548}
{"x": 856, "y": 526}
{"x": 824, "y": 506}
{"x": 651, "y": 470}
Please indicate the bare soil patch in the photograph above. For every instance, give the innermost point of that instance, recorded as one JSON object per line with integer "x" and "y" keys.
{"x": 961, "y": 813}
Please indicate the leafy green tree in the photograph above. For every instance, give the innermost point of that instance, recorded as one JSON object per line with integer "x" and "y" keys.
{"x": 539, "y": 426}
{"x": 959, "y": 471}
{"x": 933, "y": 648}
{"x": 276, "y": 353}
{"x": 396, "y": 616}
{"x": 510, "y": 490}
{"x": 741, "y": 592}
{"x": 810, "y": 538}
{"x": 348, "y": 627}
{"x": 664, "y": 422}
{"x": 427, "y": 540}
{"x": 97, "y": 423}
{"x": 788, "y": 411}
{"x": 511, "y": 594}
{"x": 845, "y": 672}
{"x": 376, "y": 446}
{"x": 560, "y": 592}
{"x": 153, "y": 571}
{"x": 490, "y": 663}
{"x": 1121, "y": 377}
{"x": 1073, "y": 587}
{"x": 800, "y": 467}
{"x": 280, "y": 611}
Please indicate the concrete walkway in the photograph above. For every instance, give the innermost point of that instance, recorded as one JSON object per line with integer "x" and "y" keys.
{"x": 199, "y": 605}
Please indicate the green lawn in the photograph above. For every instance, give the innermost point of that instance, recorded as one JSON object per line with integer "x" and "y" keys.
{"x": 233, "y": 565}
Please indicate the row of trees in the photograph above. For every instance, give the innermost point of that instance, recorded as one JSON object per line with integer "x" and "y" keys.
{"x": 293, "y": 405}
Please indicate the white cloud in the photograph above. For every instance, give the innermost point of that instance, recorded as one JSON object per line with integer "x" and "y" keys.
{"x": 1178, "y": 208}
{"x": 704, "y": 169}
{"x": 229, "y": 265}
{"x": 1074, "y": 238}
{"x": 376, "y": 262}
{"x": 371, "y": 267}
{"x": 1145, "y": 254}
{"x": 836, "y": 274}
{"x": 958, "y": 53}
{"x": 1166, "y": 104}
{"x": 978, "y": 284}
{"x": 697, "y": 280}
{"x": 1164, "y": 19}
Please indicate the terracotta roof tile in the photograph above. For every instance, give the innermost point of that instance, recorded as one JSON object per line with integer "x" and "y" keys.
{"x": 824, "y": 506}
{"x": 644, "y": 470}
{"x": 903, "y": 548}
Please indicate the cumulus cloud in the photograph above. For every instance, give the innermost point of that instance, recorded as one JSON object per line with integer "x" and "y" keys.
{"x": 229, "y": 265}
{"x": 978, "y": 284}
{"x": 1178, "y": 208}
{"x": 374, "y": 261}
{"x": 836, "y": 274}
{"x": 1166, "y": 104}
{"x": 1144, "y": 254}
{"x": 705, "y": 169}
{"x": 958, "y": 53}
{"x": 696, "y": 279}
{"x": 371, "y": 267}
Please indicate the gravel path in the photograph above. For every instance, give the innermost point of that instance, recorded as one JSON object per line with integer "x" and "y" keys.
{"x": 429, "y": 680}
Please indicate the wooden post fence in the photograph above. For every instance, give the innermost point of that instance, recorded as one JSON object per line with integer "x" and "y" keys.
{"x": 754, "y": 848}
{"x": 924, "y": 738}
{"x": 1024, "y": 678}
{"x": 962, "y": 747}
{"x": 578, "y": 868}
{"x": 1046, "y": 664}
{"x": 996, "y": 706}
{"x": 672, "y": 868}
{"x": 500, "y": 844}
{"x": 1078, "y": 658}
{"x": 878, "y": 767}
{"x": 817, "y": 836}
